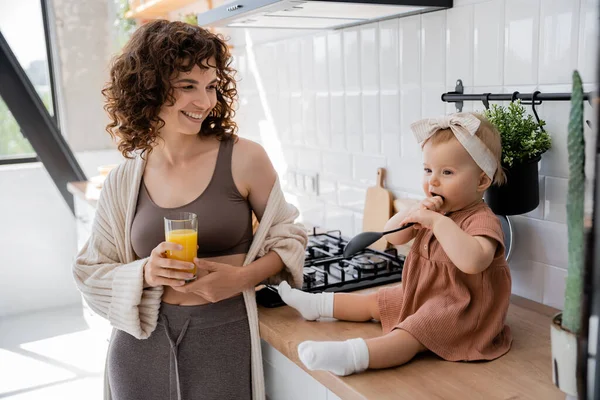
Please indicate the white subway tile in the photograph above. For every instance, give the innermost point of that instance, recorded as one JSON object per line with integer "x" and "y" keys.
{"x": 351, "y": 60}
{"x": 555, "y": 162}
{"x": 365, "y": 168}
{"x": 370, "y": 119}
{"x": 462, "y": 3}
{"x": 281, "y": 117}
{"x": 337, "y": 165}
{"x": 556, "y": 199}
{"x": 309, "y": 159}
{"x": 390, "y": 124}
{"x": 320, "y": 64}
{"x": 433, "y": 49}
{"x": 351, "y": 196}
{"x": 410, "y": 100}
{"x": 432, "y": 104}
{"x": 323, "y": 119}
{"x": 297, "y": 136}
{"x": 488, "y": 43}
{"x": 410, "y": 51}
{"x": 294, "y": 60}
{"x": 328, "y": 190}
{"x": 369, "y": 57}
{"x": 539, "y": 240}
{"x": 283, "y": 78}
{"x": 559, "y": 33}
{"x": 265, "y": 53}
{"x": 459, "y": 45}
{"x": 404, "y": 175}
{"x": 312, "y": 211}
{"x": 527, "y": 279}
{"x": 358, "y": 224}
{"x": 354, "y": 140}
{"x": 389, "y": 58}
{"x": 309, "y": 118}
{"x": 335, "y": 62}
{"x": 339, "y": 218}
{"x": 337, "y": 127}
{"x": 554, "y": 286}
{"x": 588, "y": 40}
{"x": 307, "y": 64}
{"x": 291, "y": 156}
{"x": 521, "y": 41}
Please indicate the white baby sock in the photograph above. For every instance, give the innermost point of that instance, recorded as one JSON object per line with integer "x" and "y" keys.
{"x": 310, "y": 305}
{"x": 341, "y": 358}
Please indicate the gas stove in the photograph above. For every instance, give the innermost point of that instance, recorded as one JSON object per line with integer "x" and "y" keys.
{"x": 326, "y": 269}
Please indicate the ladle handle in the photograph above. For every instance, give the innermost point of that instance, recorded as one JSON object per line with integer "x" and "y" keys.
{"x": 398, "y": 229}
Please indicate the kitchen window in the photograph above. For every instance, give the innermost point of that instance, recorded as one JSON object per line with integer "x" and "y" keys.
{"x": 22, "y": 24}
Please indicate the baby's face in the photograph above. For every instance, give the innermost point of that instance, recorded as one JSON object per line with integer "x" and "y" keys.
{"x": 450, "y": 172}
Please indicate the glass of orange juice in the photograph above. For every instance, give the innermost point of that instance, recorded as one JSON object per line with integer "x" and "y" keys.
{"x": 182, "y": 228}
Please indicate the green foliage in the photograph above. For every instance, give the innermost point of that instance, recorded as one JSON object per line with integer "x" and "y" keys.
{"x": 571, "y": 318}
{"x": 124, "y": 26}
{"x": 191, "y": 18}
{"x": 12, "y": 141}
{"x": 523, "y": 138}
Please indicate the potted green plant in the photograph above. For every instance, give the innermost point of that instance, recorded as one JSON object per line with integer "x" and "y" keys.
{"x": 565, "y": 326}
{"x": 524, "y": 140}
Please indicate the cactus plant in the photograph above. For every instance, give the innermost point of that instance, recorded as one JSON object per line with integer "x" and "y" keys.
{"x": 571, "y": 318}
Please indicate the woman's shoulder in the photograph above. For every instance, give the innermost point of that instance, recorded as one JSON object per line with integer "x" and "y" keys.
{"x": 250, "y": 156}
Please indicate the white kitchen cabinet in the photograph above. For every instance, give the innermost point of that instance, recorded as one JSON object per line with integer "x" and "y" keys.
{"x": 284, "y": 380}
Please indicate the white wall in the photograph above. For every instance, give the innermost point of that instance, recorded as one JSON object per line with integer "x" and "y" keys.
{"x": 37, "y": 229}
{"x": 339, "y": 103}
{"x": 37, "y": 237}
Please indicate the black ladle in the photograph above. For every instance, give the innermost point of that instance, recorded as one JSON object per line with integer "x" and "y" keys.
{"x": 364, "y": 239}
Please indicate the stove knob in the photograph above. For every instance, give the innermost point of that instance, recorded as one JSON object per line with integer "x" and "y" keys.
{"x": 324, "y": 276}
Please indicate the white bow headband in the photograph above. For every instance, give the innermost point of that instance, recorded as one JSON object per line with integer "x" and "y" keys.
{"x": 464, "y": 126}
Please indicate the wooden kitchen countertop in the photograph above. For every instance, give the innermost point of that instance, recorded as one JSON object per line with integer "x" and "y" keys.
{"x": 86, "y": 191}
{"x": 524, "y": 373}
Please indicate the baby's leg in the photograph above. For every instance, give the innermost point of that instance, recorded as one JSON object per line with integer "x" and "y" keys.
{"x": 356, "y": 307}
{"x": 355, "y": 355}
{"x": 344, "y": 306}
{"x": 396, "y": 348}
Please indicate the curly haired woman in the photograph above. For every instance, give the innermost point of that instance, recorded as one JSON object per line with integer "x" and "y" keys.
{"x": 170, "y": 98}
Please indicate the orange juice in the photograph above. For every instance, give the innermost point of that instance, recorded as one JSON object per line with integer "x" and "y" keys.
{"x": 188, "y": 238}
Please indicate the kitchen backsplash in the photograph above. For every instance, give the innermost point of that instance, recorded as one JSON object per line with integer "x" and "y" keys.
{"x": 338, "y": 105}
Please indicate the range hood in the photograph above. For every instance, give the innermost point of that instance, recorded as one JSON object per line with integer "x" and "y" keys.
{"x": 309, "y": 14}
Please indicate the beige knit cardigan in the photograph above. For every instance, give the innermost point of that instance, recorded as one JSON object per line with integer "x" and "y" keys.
{"x": 111, "y": 280}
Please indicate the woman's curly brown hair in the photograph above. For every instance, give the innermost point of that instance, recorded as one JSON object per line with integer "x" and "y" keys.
{"x": 140, "y": 82}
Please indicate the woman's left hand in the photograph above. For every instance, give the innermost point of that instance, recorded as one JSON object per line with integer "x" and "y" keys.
{"x": 422, "y": 218}
{"x": 216, "y": 281}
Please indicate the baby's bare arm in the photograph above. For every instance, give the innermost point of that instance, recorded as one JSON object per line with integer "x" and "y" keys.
{"x": 396, "y": 348}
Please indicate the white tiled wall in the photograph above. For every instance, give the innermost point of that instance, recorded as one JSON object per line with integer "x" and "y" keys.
{"x": 342, "y": 102}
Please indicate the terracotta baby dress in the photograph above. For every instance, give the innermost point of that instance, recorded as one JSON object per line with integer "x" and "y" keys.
{"x": 458, "y": 316}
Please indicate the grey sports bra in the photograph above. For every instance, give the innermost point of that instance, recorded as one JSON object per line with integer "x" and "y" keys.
{"x": 224, "y": 216}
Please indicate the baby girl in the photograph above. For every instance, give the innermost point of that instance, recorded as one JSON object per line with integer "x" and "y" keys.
{"x": 456, "y": 283}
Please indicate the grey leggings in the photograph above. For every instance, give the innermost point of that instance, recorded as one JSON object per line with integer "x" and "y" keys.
{"x": 196, "y": 353}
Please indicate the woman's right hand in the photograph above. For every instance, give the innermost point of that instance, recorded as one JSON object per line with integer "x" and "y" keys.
{"x": 160, "y": 270}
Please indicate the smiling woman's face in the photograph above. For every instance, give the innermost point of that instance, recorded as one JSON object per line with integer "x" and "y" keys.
{"x": 195, "y": 95}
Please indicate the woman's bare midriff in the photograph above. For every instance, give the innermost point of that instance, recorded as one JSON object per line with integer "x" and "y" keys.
{"x": 171, "y": 296}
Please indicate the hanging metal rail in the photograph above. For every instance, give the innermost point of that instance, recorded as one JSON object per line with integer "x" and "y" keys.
{"x": 535, "y": 98}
